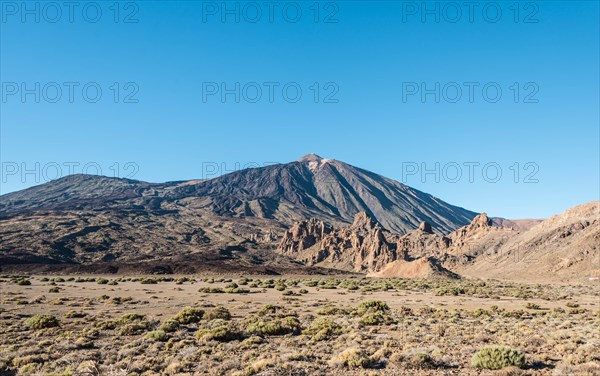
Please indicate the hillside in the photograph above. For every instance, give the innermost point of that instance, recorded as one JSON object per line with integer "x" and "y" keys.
{"x": 86, "y": 220}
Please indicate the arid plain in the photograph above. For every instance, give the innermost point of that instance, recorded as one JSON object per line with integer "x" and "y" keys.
{"x": 300, "y": 325}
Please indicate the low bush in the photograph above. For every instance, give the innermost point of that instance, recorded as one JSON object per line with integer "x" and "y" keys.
{"x": 42, "y": 322}
{"x": 170, "y": 326}
{"x": 23, "y": 282}
{"x": 372, "y": 306}
{"x": 189, "y": 315}
{"x": 219, "y": 330}
{"x": 219, "y": 312}
{"x": 134, "y": 328}
{"x": 498, "y": 357}
{"x": 351, "y": 358}
{"x": 323, "y": 328}
{"x": 157, "y": 335}
{"x": 271, "y": 321}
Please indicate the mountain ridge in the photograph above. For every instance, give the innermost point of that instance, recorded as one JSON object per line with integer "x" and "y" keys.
{"x": 307, "y": 215}
{"x": 310, "y": 187}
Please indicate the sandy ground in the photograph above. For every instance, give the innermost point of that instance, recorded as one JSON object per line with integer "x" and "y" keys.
{"x": 166, "y": 299}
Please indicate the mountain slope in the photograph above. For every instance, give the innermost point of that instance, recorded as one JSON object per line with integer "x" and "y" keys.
{"x": 81, "y": 192}
{"x": 84, "y": 219}
{"x": 314, "y": 187}
{"x": 310, "y": 187}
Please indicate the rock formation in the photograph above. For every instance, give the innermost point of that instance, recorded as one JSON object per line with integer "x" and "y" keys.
{"x": 362, "y": 246}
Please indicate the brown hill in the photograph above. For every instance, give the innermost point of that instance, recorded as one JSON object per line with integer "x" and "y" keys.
{"x": 422, "y": 268}
{"x": 565, "y": 247}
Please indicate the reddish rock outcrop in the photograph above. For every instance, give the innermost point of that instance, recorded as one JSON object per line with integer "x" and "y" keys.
{"x": 362, "y": 246}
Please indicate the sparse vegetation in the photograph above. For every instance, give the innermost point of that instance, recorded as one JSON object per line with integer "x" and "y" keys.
{"x": 362, "y": 326}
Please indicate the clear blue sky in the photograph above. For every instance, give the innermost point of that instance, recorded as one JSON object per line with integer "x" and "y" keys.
{"x": 371, "y": 56}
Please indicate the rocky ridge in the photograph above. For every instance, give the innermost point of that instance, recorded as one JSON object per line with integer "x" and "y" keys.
{"x": 563, "y": 246}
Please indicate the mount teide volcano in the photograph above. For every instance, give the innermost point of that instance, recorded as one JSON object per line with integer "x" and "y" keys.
{"x": 90, "y": 220}
{"x": 314, "y": 187}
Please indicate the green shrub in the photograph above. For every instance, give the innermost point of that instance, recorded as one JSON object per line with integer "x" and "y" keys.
{"x": 373, "y": 313}
{"x": 128, "y": 318}
{"x": 75, "y": 314}
{"x": 449, "y": 291}
{"x": 372, "y": 306}
{"x": 129, "y": 324}
{"x": 421, "y": 360}
{"x": 157, "y": 335}
{"x": 219, "y": 312}
{"x": 42, "y": 322}
{"x": 219, "y": 330}
{"x": 498, "y": 357}
{"x": 374, "y": 318}
{"x": 480, "y": 312}
{"x": 102, "y": 281}
{"x": 270, "y": 320}
{"x": 351, "y": 358}
{"x": 237, "y": 290}
{"x": 274, "y": 327}
{"x": 170, "y": 326}
{"x": 23, "y": 282}
{"x": 134, "y": 328}
{"x": 330, "y": 311}
{"x": 517, "y": 314}
{"x": 323, "y": 328}
{"x": 189, "y": 315}
{"x": 211, "y": 290}
{"x": 268, "y": 309}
